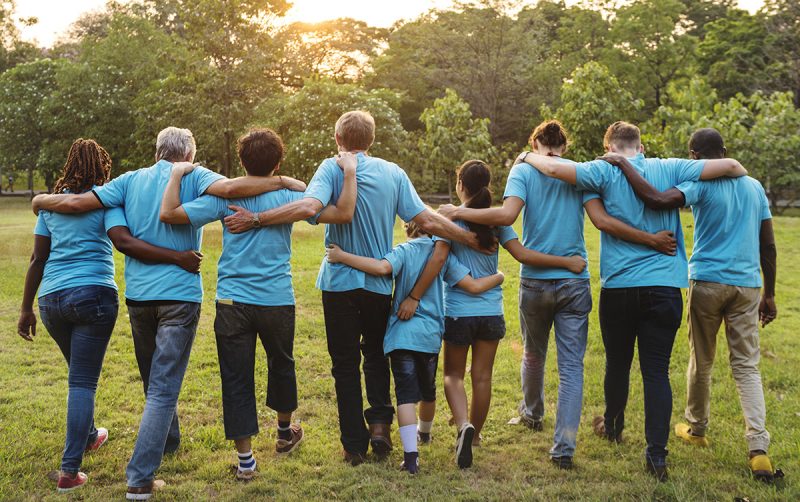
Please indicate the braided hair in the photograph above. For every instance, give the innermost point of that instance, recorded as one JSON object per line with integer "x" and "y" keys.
{"x": 475, "y": 177}
{"x": 88, "y": 164}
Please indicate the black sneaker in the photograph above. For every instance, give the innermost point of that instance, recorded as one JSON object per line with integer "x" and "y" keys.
{"x": 658, "y": 470}
{"x": 410, "y": 462}
{"x": 424, "y": 437}
{"x": 464, "y": 446}
{"x": 562, "y": 462}
{"x": 534, "y": 425}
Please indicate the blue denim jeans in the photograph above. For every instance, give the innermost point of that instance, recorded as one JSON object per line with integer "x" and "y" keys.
{"x": 80, "y": 320}
{"x": 565, "y": 303}
{"x": 162, "y": 338}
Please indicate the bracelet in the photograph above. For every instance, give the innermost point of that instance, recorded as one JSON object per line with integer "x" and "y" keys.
{"x": 412, "y": 297}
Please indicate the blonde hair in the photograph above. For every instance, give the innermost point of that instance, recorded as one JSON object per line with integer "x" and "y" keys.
{"x": 622, "y": 135}
{"x": 356, "y": 130}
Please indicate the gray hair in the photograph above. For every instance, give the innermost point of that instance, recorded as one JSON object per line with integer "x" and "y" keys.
{"x": 175, "y": 144}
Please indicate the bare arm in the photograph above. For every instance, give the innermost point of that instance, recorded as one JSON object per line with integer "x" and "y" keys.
{"x": 478, "y": 286}
{"x": 435, "y": 224}
{"x": 66, "y": 203}
{"x": 555, "y": 167}
{"x": 652, "y": 198}
{"x": 342, "y": 211}
{"x": 429, "y": 274}
{"x": 171, "y": 210}
{"x": 574, "y": 264}
{"x": 767, "y": 310}
{"x": 719, "y": 168}
{"x": 249, "y": 186}
{"x": 663, "y": 242}
{"x": 370, "y": 266}
{"x": 243, "y": 220}
{"x": 492, "y": 216}
{"x": 136, "y": 248}
{"x": 26, "y": 326}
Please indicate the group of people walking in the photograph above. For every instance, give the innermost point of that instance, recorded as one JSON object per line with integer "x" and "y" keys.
{"x": 389, "y": 310}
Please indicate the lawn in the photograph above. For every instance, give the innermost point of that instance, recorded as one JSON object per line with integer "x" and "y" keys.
{"x": 511, "y": 464}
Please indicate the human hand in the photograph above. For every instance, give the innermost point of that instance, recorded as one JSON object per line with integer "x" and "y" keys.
{"x": 347, "y": 161}
{"x": 613, "y": 158}
{"x": 576, "y": 264}
{"x": 767, "y": 310}
{"x": 240, "y": 221}
{"x": 183, "y": 168}
{"x": 407, "y": 309}
{"x": 664, "y": 242}
{"x": 520, "y": 158}
{"x": 449, "y": 211}
{"x": 475, "y": 244}
{"x": 190, "y": 261}
{"x": 26, "y": 325}
{"x": 292, "y": 184}
{"x": 333, "y": 253}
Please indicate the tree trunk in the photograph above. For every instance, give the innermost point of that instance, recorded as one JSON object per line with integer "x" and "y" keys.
{"x": 226, "y": 154}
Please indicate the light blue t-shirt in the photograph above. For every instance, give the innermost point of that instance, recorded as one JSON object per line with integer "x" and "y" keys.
{"x": 552, "y": 220}
{"x": 727, "y": 226}
{"x": 80, "y": 250}
{"x": 140, "y": 193}
{"x": 384, "y": 191}
{"x": 460, "y": 303}
{"x": 423, "y": 332}
{"x": 625, "y": 264}
{"x": 254, "y": 266}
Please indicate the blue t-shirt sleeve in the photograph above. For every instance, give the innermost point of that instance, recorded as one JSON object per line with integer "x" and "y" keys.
{"x": 112, "y": 194}
{"x": 517, "y": 182}
{"x": 396, "y": 258}
{"x": 592, "y": 176}
{"x": 587, "y": 196}
{"x": 204, "y": 178}
{"x": 321, "y": 185}
{"x": 505, "y": 234}
{"x": 692, "y": 191}
{"x": 409, "y": 205}
{"x": 41, "y": 226}
{"x": 114, "y": 217}
{"x": 453, "y": 271}
{"x": 685, "y": 170}
{"x": 205, "y": 209}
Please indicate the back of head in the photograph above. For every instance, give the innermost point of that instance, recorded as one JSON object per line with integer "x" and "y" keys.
{"x": 622, "y": 136}
{"x": 356, "y": 130}
{"x": 88, "y": 164}
{"x": 175, "y": 145}
{"x": 707, "y": 143}
{"x": 260, "y": 151}
{"x": 475, "y": 177}
{"x": 550, "y": 134}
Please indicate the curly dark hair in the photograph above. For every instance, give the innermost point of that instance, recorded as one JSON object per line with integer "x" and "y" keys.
{"x": 88, "y": 164}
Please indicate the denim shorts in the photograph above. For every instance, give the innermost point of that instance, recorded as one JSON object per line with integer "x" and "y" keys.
{"x": 414, "y": 376}
{"x": 466, "y": 330}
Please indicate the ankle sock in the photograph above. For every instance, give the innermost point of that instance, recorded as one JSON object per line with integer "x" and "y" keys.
{"x": 247, "y": 462}
{"x": 425, "y": 427}
{"x": 408, "y": 436}
{"x": 284, "y": 430}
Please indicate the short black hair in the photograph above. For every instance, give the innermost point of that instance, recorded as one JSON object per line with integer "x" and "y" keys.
{"x": 260, "y": 150}
{"x": 707, "y": 143}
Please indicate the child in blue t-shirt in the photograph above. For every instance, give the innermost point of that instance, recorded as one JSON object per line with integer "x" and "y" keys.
{"x": 413, "y": 345}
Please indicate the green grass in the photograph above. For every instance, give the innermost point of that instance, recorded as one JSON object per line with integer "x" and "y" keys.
{"x": 511, "y": 464}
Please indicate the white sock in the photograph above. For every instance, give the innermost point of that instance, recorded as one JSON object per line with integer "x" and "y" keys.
{"x": 247, "y": 461}
{"x": 425, "y": 427}
{"x": 408, "y": 436}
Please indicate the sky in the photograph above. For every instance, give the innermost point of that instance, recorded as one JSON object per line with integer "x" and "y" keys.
{"x": 55, "y": 16}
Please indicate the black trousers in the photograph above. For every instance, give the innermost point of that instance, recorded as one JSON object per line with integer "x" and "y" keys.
{"x": 650, "y": 316}
{"x": 355, "y": 323}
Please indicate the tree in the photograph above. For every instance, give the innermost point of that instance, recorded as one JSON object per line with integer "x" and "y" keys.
{"x": 784, "y": 24}
{"x": 591, "y": 100}
{"x": 451, "y": 137}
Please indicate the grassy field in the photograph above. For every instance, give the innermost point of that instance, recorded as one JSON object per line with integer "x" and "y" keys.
{"x": 511, "y": 464}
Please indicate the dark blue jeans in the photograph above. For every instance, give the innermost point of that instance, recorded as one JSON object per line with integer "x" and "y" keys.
{"x": 651, "y": 316}
{"x": 80, "y": 320}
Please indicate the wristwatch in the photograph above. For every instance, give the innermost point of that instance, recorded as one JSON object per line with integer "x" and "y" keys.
{"x": 256, "y": 221}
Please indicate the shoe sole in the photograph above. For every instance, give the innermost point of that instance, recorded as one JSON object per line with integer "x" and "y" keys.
{"x": 67, "y": 490}
{"x": 293, "y": 448}
{"x": 464, "y": 448}
{"x": 138, "y": 496}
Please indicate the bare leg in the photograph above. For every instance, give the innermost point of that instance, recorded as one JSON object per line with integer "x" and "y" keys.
{"x": 455, "y": 363}
{"x": 483, "y": 353}
{"x": 427, "y": 409}
{"x": 407, "y": 414}
{"x": 243, "y": 445}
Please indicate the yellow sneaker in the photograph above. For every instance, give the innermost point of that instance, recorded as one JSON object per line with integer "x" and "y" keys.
{"x": 761, "y": 467}
{"x": 684, "y": 431}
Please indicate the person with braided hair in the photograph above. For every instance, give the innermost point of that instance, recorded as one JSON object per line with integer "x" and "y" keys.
{"x": 73, "y": 269}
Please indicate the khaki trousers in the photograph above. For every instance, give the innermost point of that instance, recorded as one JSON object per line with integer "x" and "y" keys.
{"x": 709, "y": 304}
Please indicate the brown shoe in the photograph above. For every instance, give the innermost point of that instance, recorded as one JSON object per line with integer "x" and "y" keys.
{"x": 354, "y": 459}
{"x": 287, "y": 446}
{"x": 599, "y": 427}
{"x": 144, "y": 492}
{"x": 380, "y": 439}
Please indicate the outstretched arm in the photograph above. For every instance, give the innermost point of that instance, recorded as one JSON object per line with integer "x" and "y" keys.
{"x": 652, "y": 198}
{"x": 429, "y": 274}
{"x": 435, "y": 224}
{"x": 370, "y": 266}
{"x": 249, "y": 186}
{"x": 478, "y": 286}
{"x": 767, "y": 311}
{"x": 342, "y": 211}
{"x": 171, "y": 210}
{"x": 66, "y": 203}
{"x": 663, "y": 242}
{"x": 719, "y": 168}
{"x": 574, "y": 264}
{"x": 555, "y": 167}
{"x": 26, "y": 325}
{"x": 493, "y": 216}
{"x": 136, "y": 248}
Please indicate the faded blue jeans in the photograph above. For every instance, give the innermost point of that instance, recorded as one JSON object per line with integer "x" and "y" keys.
{"x": 565, "y": 303}
{"x": 162, "y": 338}
{"x": 80, "y": 320}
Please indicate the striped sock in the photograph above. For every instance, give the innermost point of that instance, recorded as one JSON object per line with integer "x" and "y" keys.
{"x": 284, "y": 430}
{"x": 247, "y": 462}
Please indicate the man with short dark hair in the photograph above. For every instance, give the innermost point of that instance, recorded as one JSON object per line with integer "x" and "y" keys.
{"x": 733, "y": 244}
{"x": 255, "y": 298}
{"x": 640, "y": 299}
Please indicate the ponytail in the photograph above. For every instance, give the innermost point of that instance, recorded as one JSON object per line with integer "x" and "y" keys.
{"x": 550, "y": 134}
{"x": 475, "y": 177}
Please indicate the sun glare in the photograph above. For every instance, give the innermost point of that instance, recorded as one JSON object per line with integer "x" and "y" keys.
{"x": 374, "y": 12}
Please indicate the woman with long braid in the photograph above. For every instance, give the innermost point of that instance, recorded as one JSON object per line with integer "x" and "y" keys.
{"x": 73, "y": 269}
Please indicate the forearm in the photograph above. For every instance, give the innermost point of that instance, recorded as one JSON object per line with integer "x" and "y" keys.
{"x": 492, "y": 216}
{"x": 171, "y": 201}
{"x": 365, "y": 264}
{"x": 290, "y": 213}
{"x": 66, "y": 203}
{"x": 718, "y": 168}
{"x": 431, "y": 271}
{"x": 651, "y": 197}
{"x": 769, "y": 267}
{"x": 141, "y": 250}
{"x": 620, "y": 230}
{"x": 33, "y": 278}
{"x": 542, "y": 260}
{"x": 554, "y": 167}
{"x": 342, "y": 211}
{"x": 478, "y": 286}
{"x": 435, "y": 224}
